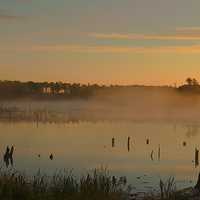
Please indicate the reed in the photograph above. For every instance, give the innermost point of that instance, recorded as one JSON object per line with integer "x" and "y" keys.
{"x": 98, "y": 185}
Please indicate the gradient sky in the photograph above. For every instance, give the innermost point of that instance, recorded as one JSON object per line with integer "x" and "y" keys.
{"x": 152, "y": 42}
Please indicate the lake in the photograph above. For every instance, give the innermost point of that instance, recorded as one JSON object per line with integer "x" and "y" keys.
{"x": 83, "y": 146}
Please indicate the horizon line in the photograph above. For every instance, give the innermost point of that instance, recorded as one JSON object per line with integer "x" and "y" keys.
{"x": 174, "y": 85}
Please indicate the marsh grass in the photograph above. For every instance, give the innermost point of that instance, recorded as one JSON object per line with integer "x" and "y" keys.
{"x": 168, "y": 188}
{"x": 168, "y": 191}
{"x": 63, "y": 185}
{"x": 98, "y": 185}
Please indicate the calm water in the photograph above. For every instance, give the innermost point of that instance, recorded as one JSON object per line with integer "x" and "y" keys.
{"x": 84, "y": 146}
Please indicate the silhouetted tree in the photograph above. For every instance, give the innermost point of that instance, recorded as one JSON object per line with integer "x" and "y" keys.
{"x": 189, "y": 81}
{"x": 194, "y": 82}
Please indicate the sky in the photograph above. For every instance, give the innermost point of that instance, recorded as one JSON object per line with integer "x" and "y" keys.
{"x": 151, "y": 42}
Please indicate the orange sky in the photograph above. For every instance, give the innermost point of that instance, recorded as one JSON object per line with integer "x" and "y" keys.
{"x": 132, "y": 42}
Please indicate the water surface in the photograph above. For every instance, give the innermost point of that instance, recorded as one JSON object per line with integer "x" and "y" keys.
{"x": 85, "y": 145}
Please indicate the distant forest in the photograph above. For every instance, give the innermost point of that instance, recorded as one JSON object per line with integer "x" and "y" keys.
{"x": 60, "y": 90}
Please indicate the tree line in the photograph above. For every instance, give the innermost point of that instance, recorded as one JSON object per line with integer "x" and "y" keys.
{"x": 18, "y": 89}
{"x": 45, "y": 89}
{"x": 191, "y": 85}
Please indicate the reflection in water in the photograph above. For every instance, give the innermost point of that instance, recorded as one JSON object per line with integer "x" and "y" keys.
{"x": 175, "y": 127}
{"x": 192, "y": 130}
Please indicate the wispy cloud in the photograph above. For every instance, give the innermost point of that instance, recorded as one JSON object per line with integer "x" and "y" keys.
{"x": 5, "y": 15}
{"x": 189, "y": 31}
{"x": 120, "y": 49}
{"x": 184, "y": 33}
{"x": 194, "y": 28}
{"x": 112, "y": 49}
{"x": 24, "y": 1}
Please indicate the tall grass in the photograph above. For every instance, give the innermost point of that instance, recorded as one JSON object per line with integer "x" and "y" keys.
{"x": 63, "y": 185}
{"x": 168, "y": 188}
{"x": 98, "y": 185}
{"x": 168, "y": 191}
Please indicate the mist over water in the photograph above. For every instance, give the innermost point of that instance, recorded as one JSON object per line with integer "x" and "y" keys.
{"x": 127, "y": 131}
{"x": 125, "y": 104}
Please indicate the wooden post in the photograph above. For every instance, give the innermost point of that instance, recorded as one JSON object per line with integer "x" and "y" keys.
{"x": 128, "y": 144}
{"x": 159, "y": 152}
{"x": 113, "y": 142}
{"x": 196, "y": 157}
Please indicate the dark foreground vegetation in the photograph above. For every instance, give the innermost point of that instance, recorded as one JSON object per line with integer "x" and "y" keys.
{"x": 98, "y": 185}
